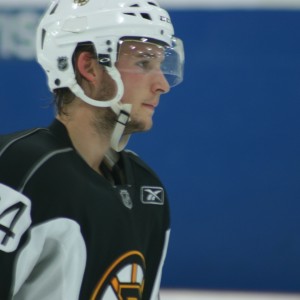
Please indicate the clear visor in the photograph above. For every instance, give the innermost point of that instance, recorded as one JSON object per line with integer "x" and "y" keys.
{"x": 148, "y": 56}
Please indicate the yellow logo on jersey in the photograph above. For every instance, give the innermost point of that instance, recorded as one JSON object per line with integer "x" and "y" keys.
{"x": 124, "y": 279}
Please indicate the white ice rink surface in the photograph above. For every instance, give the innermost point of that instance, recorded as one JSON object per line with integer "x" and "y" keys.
{"x": 210, "y": 295}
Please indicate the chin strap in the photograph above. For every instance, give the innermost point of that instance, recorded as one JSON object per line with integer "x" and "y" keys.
{"x": 118, "y": 139}
{"x": 79, "y": 92}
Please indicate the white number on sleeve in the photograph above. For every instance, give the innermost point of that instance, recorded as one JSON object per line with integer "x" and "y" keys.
{"x": 14, "y": 217}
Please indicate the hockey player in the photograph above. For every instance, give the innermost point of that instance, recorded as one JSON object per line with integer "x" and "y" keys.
{"x": 80, "y": 217}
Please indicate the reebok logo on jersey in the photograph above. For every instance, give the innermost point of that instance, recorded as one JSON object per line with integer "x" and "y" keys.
{"x": 152, "y": 195}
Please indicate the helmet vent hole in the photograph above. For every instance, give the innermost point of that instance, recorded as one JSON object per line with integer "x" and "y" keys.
{"x": 54, "y": 9}
{"x": 43, "y": 38}
{"x": 146, "y": 16}
{"x": 134, "y": 5}
{"x": 130, "y": 14}
{"x": 152, "y": 3}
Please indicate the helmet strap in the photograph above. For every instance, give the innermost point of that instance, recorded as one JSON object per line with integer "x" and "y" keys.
{"x": 118, "y": 140}
{"x": 78, "y": 91}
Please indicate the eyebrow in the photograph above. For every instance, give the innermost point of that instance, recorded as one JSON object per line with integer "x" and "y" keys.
{"x": 150, "y": 55}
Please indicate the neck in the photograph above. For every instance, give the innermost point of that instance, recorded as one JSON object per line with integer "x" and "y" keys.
{"x": 86, "y": 138}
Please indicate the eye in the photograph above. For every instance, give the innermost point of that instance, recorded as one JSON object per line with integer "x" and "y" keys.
{"x": 144, "y": 64}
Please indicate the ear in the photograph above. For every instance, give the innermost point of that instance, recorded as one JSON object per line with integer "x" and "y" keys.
{"x": 87, "y": 66}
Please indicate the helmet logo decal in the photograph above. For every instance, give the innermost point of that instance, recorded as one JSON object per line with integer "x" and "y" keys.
{"x": 81, "y": 2}
{"x": 165, "y": 19}
{"x": 62, "y": 63}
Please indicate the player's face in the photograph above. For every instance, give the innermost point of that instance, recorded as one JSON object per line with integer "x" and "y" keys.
{"x": 140, "y": 68}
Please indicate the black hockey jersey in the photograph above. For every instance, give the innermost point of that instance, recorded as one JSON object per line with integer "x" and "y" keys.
{"x": 68, "y": 233}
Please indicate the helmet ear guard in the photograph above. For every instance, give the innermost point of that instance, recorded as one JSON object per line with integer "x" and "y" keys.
{"x": 68, "y": 23}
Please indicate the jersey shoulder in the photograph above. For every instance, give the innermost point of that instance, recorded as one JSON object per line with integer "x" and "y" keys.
{"x": 136, "y": 160}
{"x": 20, "y": 151}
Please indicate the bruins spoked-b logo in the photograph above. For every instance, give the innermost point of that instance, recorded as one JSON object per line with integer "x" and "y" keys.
{"x": 81, "y": 2}
{"x": 124, "y": 279}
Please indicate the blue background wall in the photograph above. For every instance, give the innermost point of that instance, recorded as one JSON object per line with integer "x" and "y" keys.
{"x": 226, "y": 142}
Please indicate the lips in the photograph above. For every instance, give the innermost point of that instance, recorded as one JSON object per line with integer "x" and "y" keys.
{"x": 150, "y": 106}
{"x": 153, "y": 104}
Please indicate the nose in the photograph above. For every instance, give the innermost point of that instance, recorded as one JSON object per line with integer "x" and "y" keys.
{"x": 160, "y": 84}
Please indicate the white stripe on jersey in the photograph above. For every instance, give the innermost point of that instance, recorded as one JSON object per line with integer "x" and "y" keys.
{"x": 52, "y": 263}
{"x": 156, "y": 287}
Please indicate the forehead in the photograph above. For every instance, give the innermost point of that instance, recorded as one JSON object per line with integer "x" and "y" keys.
{"x": 140, "y": 49}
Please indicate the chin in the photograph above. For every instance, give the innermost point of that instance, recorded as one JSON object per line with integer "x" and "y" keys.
{"x": 138, "y": 126}
{"x": 146, "y": 125}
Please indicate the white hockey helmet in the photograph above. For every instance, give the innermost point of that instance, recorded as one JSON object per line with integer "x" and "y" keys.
{"x": 104, "y": 23}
